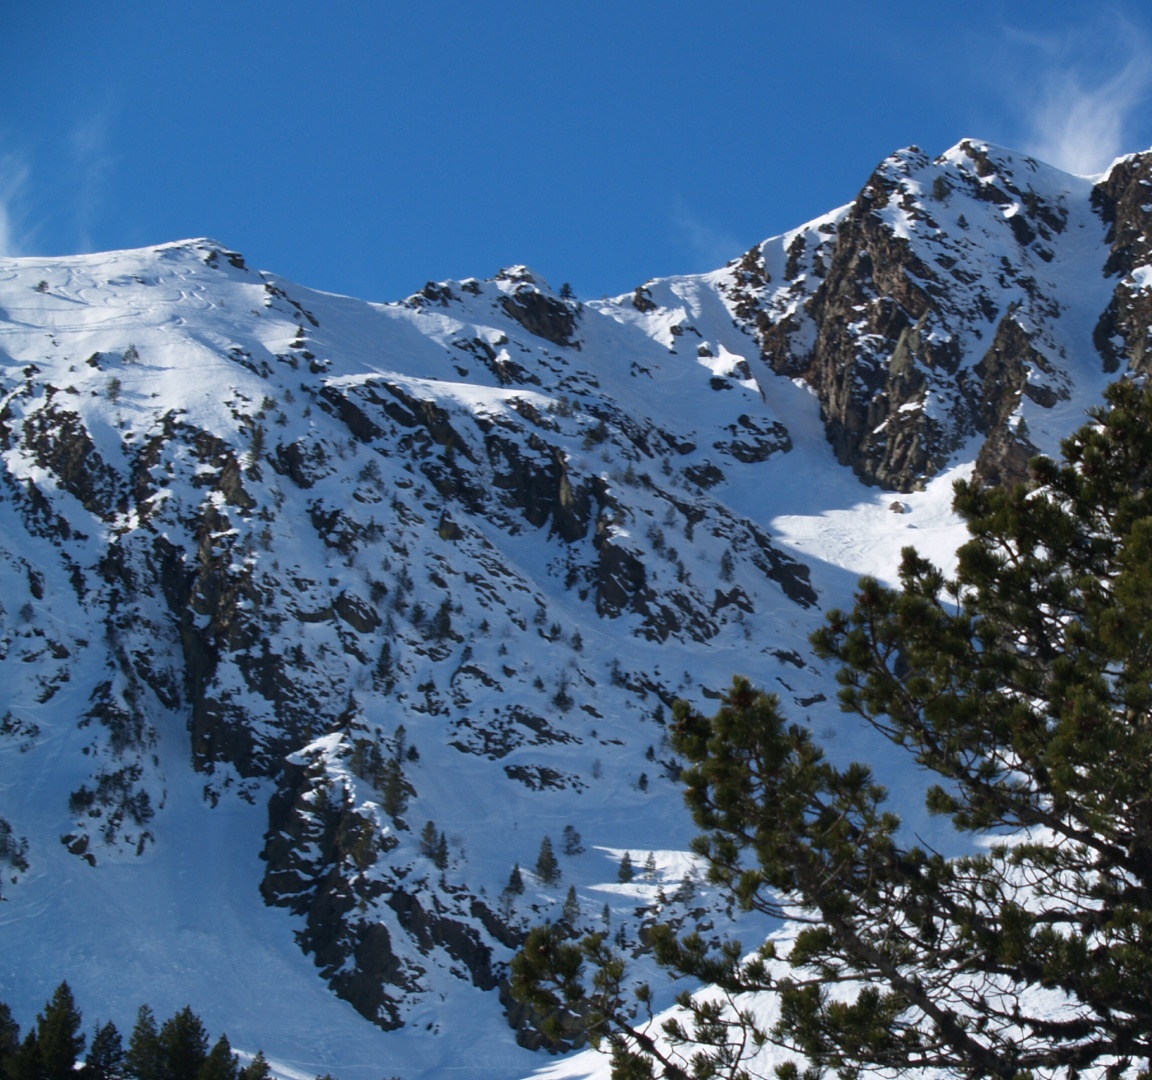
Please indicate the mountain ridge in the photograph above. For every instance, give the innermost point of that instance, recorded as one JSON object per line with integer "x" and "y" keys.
{"x": 450, "y": 559}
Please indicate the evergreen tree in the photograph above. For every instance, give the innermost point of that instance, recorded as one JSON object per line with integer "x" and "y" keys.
{"x": 573, "y": 843}
{"x": 547, "y": 866}
{"x": 515, "y": 884}
{"x": 105, "y": 1060}
{"x": 429, "y": 838}
{"x": 9, "y": 1038}
{"x": 571, "y": 906}
{"x": 183, "y": 1045}
{"x": 25, "y": 1063}
{"x": 394, "y": 790}
{"x": 1024, "y": 683}
{"x": 257, "y": 1068}
{"x": 58, "y": 1036}
{"x": 440, "y": 856}
{"x": 143, "y": 1059}
{"x": 626, "y": 871}
{"x": 441, "y": 627}
{"x": 221, "y": 1063}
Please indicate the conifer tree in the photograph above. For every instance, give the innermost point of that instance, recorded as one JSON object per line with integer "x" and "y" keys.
{"x": 429, "y": 837}
{"x": 221, "y": 1063}
{"x": 183, "y": 1045}
{"x": 547, "y": 866}
{"x": 105, "y": 1059}
{"x": 573, "y": 842}
{"x": 515, "y": 884}
{"x": 9, "y": 1038}
{"x": 257, "y": 1068}
{"x": 59, "y": 1039}
{"x": 440, "y": 856}
{"x": 571, "y": 906}
{"x": 25, "y": 1063}
{"x": 143, "y": 1060}
{"x": 626, "y": 871}
{"x": 1024, "y": 682}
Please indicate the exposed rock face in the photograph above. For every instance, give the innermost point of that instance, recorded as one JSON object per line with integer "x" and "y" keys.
{"x": 489, "y": 533}
{"x": 887, "y": 307}
{"x": 1124, "y": 199}
{"x": 320, "y": 553}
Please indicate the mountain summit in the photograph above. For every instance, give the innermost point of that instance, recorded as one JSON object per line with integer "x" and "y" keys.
{"x": 338, "y": 639}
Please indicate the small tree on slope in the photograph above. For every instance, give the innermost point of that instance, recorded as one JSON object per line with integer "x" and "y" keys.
{"x": 1025, "y": 684}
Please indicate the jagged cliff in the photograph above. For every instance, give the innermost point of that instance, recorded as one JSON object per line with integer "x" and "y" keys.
{"x": 419, "y": 582}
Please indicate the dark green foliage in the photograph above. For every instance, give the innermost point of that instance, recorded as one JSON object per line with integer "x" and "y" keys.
{"x": 183, "y": 1045}
{"x": 25, "y": 1063}
{"x": 429, "y": 837}
{"x": 143, "y": 1059}
{"x": 58, "y": 1036}
{"x": 515, "y": 884}
{"x": 105, "y": 1060}
{"x": 626, "y": 871}
{"x": 257, "y": 1068}
{"x": 573, "y": 842}
{"x": 441, "y": 626}
{"x": 221, "y": 1063}
{"x": 9, "y": 1037}
{"x": 571, "y": 907}
{"x": 547, "y": 866}
{"x": 393, "y": 790}
{"x": 1024, "y": 683}
{"x": 177, "y": 1050}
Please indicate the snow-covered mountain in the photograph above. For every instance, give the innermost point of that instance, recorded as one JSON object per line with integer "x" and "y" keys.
{"x": 320, "y": 616}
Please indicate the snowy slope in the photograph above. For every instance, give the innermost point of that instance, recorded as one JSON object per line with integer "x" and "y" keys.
{"x": 286, "y": 575}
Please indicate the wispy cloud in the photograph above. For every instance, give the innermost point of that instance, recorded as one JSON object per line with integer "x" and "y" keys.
{"x": 13, "y": 180}
{"x": 1084, "y": 90}
{"x": 713, "y": 247}
{"x": 88, "y": 144}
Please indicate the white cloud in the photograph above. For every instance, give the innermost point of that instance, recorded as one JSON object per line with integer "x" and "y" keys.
{"x": 712, "y": 246}
{"x": 13, "y": 179}
{"x": 88, "y": 143}
{"x": 1085, "y": 91}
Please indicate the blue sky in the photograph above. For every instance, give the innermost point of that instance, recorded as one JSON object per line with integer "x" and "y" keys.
{"x": 368, "y": 147}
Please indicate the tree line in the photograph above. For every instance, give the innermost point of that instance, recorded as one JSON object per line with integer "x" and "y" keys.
{"x": 179, "y": 1048}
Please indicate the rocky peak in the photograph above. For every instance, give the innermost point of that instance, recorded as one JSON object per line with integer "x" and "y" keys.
{"x": 420, "y": 581}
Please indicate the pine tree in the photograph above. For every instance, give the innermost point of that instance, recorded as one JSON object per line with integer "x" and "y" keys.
{"x": 105, "y": 1060}
{"x": 573, "y": 842}
{"x": 25, "y": 1063}
{"x": 571, "y": 911}
{"x": 183, "y": 1044}
{"x": 440, "y": 856}
{"x": 221, "y": 1063}
{"x": 9, "y": 1037}
{"x": 515, "y": 884}
{"x": 58, "y": 1036}
{"x": 1024, "y": 682}
{"x": 547, "y": 867}
{"x": 143, "y": 1061}
{"x": 626, "y": 871}
{"x": 257, "y": 1068}
{"x": 429, "y": 837}
{"x": 393, "y": 790}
